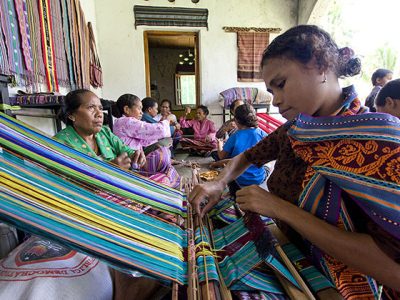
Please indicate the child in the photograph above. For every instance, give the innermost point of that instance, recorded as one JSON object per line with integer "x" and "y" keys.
{"x": 247, "y": 135}
{"x": 388, "y": 99}
{"x": 139, "y": 134}
{"x": 378, "y": 79}
{"x": 204, "y": 132}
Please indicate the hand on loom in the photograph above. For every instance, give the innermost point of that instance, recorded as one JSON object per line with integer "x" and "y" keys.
{"x": 138, "y": 158}
{"x": 255, "y": 199}
{"x": 209, "y": 192}
{"x": 123, "y": 161}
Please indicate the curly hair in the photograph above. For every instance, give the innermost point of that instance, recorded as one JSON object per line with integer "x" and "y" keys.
{"x": 304, "y": 43}
{"x": 245, "y": 115}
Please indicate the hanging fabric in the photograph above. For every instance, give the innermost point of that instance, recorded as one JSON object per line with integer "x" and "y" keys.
{"x": 46, "y": 29}
{"x": 39, "y": 74}
{"x": 59, "y": 45}
{"x": 24, "y": 30}
{"x": 96, "y": 75}
{"x": 68, "y": 41}
{"x": 251, "y": 46}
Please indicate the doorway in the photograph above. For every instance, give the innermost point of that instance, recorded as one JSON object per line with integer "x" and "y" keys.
{"x": 172, "y": 67}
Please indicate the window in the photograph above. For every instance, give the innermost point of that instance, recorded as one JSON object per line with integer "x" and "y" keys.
{"x": 185, "y": 86}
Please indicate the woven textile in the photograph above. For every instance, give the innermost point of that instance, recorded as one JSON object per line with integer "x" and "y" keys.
{"x": 46, "y": 30}
{"x": 21, "y": 9}
{"x": 170, "y": 16}
{"x": 354, "y": 159}
{"x": 11, "y": 37}
{"x": 39, "y": 74}
{"x": 251, "y": 46}
{"x": 59, "y": 45}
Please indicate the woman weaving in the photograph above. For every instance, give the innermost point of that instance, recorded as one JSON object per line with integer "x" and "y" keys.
{"x": 338, "y": 188}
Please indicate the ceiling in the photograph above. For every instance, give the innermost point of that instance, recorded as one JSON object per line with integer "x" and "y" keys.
{"x": 171, "y": 41}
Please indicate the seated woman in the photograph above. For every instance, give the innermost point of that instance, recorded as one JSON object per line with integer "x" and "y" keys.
{"x": 45, "y": 269}
{"x": 336, "y": 178}
{"x": 204, "y": 132}
{"x": 247, "y": 135}
{"x": 166, "y": 114}
{"x": 388, "y": 99}
{"x": 229, "y": 127}
{"x": 138, "y": 134}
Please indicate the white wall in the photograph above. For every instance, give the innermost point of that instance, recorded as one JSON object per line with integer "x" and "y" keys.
{"x": 122, "y": 48}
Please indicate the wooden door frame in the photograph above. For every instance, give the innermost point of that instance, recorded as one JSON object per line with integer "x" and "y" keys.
{"x": 148, "y": 33}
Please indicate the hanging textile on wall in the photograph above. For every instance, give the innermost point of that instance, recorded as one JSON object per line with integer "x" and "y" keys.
{"x": 170, "y": 16}
{"x": 59, "y": 46}
{"x": 67, "y": 27}
{"x": 4, "y": 64}
{"x": 22, "y": 14}
{"x": 48, "y": 45}
{"x": 96, "y": 74}
{"x": 83, "y": 46}
{"x": 39, "y": 75}
{"x": 11, "y": 37}
{"x": 45, "y": 41}
{"x": 251, "y": 46}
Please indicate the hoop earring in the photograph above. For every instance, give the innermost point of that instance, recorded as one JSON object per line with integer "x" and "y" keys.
{"x": 325, "y": 79}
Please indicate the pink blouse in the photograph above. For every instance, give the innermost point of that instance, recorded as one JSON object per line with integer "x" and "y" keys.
{"x": 136, "y": 133}
{"x": 201, "y": 129}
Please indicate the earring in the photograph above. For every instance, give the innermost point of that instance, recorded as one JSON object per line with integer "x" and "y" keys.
{"x": 325, "y": 79}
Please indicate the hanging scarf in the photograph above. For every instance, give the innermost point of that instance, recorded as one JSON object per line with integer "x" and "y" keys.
{"x": 37, "y": 54}
{"x": 352, "y": 154}
{"x": 24, "y": 29}
{"x": 46, "y": 29}
{"x": 4, "y": 63}
{"x": 67, "y": 25}
{"x": 59, "y": 46}
{"x": 10, "y": 31}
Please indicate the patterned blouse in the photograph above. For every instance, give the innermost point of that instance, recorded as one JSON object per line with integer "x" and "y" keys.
{"x": 136, "y": 133}
{"x": 287, "y": 178}
{"x": 110, "y": 146}
{"x": 202, "y": 130}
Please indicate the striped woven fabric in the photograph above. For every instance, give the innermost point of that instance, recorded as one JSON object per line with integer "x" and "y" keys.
{"x": 170, "y": 16}
{"x": 39, "y": 75}
{"x": 22, "y": 14}
{"x": 46, "y": 31}
{"x": 67, "y": 26}
{"x": 54, "y": 191}
{"x": 11, "y": 38}
{"x": 251, "y": 46}
{"x": 4, "y": 63}
{"x": 59, "y": 45}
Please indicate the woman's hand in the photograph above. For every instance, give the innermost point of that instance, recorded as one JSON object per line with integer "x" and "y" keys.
{"x": 122, "y": 160}
{"x": 209, "y": 192}
{"x": 220, "y": 144}
{"x": 255, "y": 199}
{"x": 219, "y": 164}
{"x": 138, "y": 158}
{"x": 177, "y": 126}
{"x": 187, "y": 110}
